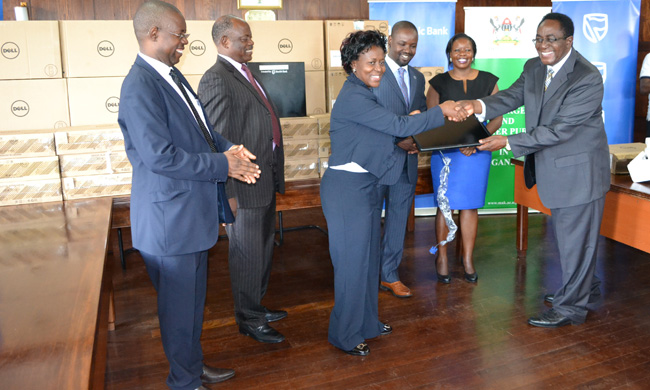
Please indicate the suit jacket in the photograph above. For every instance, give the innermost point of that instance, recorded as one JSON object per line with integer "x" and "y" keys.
{"x": 174, "y": 194}
{"x": 564, "y": 130}
{"x": 238, "y": 113}
{"x": 390, "y": 96}
{"x": 363, "y": 131}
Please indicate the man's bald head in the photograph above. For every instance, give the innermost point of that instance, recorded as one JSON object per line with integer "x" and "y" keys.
{"x": 152, "y": 13}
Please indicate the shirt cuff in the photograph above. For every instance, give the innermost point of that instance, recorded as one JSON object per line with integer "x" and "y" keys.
{"x": 481, "y": 117}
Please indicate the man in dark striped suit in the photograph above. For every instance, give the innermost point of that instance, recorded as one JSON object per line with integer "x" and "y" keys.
{"x": 401, "y": 91}
{"x": 238, "y": 107}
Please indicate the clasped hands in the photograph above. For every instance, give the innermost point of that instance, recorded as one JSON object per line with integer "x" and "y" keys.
{"x": 240, "y": 166}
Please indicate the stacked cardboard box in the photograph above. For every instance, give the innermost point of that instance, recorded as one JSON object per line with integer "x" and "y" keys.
{"x": 93, "y": 162}
{"x": 29, "y": 168}
{"x": 324, "y": 144}
{"x": 300, "y": 148}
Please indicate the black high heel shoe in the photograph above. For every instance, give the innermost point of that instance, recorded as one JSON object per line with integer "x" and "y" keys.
{"x": 446, "y": 279}
{"x": 472, "y": 278}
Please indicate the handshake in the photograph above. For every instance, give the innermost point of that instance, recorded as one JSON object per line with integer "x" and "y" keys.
{"x": 459, "y": 111}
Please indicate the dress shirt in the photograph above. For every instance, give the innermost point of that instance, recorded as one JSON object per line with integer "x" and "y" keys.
{"x": 394, "y": 68}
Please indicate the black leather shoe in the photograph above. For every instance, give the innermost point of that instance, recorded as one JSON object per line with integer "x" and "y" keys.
{"x": 275, "y": 315}
{"x": 263, "y": 333}
{"x": 549, "y": 298}
{"x": 550, "y": 319}
{"x": 215, "y": 375}
{"x": 360, "y": 350}
{"x": 472, "y": 278}
{"x": 386, "y": 329}
{"x": 446, "y": 279}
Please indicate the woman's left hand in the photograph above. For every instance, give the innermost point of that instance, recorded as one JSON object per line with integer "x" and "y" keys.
{"x": 468, "y": 151}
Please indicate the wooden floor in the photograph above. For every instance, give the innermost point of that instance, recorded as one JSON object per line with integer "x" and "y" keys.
{"x": 457, "y": 336}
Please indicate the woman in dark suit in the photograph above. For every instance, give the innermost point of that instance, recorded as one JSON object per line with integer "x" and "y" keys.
{"x": 363, "y": 151}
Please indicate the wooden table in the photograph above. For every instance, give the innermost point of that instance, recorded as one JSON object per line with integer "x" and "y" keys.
{"x": 55, "y": 290}
{"x": 626, "y": 218}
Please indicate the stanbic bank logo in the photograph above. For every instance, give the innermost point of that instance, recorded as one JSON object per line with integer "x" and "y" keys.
{"x": 10, "y": 50}
{"x": 602, "y": 68}
{"x": 105, "y": 48}
{"x": 20, "y": 108}
{"x": 594, "y": 26}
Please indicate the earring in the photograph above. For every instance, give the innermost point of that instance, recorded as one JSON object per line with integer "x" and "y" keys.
{"x": 354, "y": 70}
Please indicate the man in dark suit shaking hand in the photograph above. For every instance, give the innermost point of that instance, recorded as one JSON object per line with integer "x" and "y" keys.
{"x": 179, "y": 164}
{"x": 238, "y": 107}
{"x": 402, "y": 91}
{"x": 566, "y": 155}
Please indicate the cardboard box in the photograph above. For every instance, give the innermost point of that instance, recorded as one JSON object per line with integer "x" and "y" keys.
{"x": 33, "y": 104}
{"x": 94, "y": 164}
{"x": 97, "y": 48}
{"x": 337, "y": 30}
{"x": 323, "y": 125}
{"x": 289, "y": 41}
{"x": 323, "y": 163}
{"x": 324, "y": 147}
{"x": 315, "y": 93}
{"x": 424, "y": 159}
{"x": 428, "y": 72}
{"x": 81, "y": 187}
{"x": 335, "y": 80}
{"x": 29, "y": 168}
{"x": 301, "y": 169}
{"x": 36, "y": 191}
{"x": 621, "y": 154}
{"x": 299, "y": 127}
{"x": 30, "y": 50}
{"x": 27, "y": 144}
{"x": 295, "y": 149}
{"x": 201, "y": 53}
{"x": 94, "y": 101}
{"x": 89, "y": 139}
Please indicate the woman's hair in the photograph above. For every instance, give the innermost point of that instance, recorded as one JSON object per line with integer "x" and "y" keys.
{"x": 454, "y": 39}
{"x": 359, "y": 42}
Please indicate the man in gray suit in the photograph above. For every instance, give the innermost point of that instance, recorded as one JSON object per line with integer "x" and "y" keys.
{"x": 238, "y": 107}
{"x": 401, "y": 91}
{"x": 566, "y": 155}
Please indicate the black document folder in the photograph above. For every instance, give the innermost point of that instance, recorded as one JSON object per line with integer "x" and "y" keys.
{"x": 452, "y": 135}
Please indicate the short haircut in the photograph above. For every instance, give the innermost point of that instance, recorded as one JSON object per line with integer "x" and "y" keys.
{"x": 565, "y": 22}
{"x": 150, "y": 14}
{"x": 221, "y": 27}
{"x": 403, "y": 25}
{"x": 359, "y": 42}
{"x": 454, "y": 39}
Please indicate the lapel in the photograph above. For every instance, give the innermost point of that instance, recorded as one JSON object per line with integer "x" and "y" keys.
{"x": 240, "y": 78}
{"x": 412, "y": 84}
{"x": 171, "y": 91}
{"x": 561, "y": 77}
{"x": 394, "y": 85}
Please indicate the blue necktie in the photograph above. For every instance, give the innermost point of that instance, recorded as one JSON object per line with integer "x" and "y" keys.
{"x": 402, "y": 85}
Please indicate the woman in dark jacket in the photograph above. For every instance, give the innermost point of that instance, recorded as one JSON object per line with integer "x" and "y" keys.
{"x": 363, "y": 146}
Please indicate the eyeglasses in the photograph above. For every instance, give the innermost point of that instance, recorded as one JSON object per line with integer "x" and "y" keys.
{"x": 180, "y": 36}
{"x": 550, "y": 40}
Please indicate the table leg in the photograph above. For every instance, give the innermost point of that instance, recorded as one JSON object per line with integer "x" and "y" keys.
{"x": 522, "y": 230}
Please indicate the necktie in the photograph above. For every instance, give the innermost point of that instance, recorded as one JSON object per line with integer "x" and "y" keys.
{"x": 274, "y": 119}
{"x": 225, "y": 213}
{"x": 204, "y": 130}
{"x": 402, "y": 85}
{"x": 549, "y": 77}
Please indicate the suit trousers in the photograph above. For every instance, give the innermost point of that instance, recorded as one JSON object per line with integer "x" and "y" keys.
{"x": 577, "y": 230}
{"x": 180, "y": 282}
{"x": 251, "y": 239}
{"x": 399, "y": 198}
{"x": 352, "y": 209}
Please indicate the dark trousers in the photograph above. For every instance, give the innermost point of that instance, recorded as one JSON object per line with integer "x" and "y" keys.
{"x": 399, "y": 198}
{"x": 250, "y": 254}
{"x": 352, "y": 209}
{"x": 577, "y": 230}
{"x": 180, "y": 282}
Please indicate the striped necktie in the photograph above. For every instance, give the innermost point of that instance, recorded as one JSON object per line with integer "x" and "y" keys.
{"x": 549, "y": 77}
{"x": 402, "y": 85}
